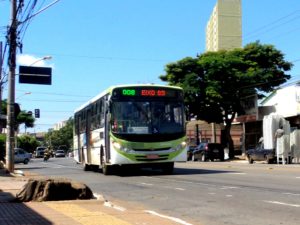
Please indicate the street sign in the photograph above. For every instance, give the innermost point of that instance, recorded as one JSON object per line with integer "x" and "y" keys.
{"x": 35, "y": 75}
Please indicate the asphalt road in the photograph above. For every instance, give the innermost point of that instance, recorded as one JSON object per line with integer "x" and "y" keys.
{"x": 207, "y": 193}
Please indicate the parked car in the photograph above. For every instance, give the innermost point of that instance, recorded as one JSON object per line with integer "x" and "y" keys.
{"x": 190, "y": 150}
{"x": 208, "y": 151}
{"x": 39, "y": 152}
{"x": 21, "y": 156}
{"x": 60, "y": 153}
{"x": 261, "y": 154}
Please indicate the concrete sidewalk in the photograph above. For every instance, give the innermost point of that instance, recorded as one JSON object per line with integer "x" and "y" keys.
{"x": 94, "y": 212}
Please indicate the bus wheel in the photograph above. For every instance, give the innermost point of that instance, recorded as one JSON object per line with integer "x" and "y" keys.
{"x": 168, "y": 168}
{"x": 86, "y": 167}
{"x": 106, "y": 170}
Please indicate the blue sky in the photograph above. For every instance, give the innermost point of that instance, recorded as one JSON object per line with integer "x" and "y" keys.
{"x": 95, "y": 44}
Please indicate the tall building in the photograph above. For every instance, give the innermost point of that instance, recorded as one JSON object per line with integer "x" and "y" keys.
{"x": 224, "y": 28}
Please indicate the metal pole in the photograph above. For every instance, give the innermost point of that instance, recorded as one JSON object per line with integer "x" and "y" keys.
{"x": 11, "y": 90}
{"x": 1, "y": 63}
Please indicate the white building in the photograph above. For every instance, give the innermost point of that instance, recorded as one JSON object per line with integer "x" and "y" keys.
{"x": 285, "y": 100}
{"x": 59, "y": 125}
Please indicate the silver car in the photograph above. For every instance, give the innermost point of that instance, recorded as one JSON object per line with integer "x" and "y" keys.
{"x": 21, "y": 156}
{"x": 60, "y": 153}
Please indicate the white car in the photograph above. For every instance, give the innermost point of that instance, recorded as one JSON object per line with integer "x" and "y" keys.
{"x": 60, "y": 153}
{"x": 21, "y": 156}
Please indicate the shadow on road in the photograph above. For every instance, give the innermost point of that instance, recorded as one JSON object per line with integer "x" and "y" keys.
{"x": 177, "y": 171}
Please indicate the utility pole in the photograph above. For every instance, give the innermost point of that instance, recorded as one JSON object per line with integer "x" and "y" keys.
{"x": 1, "y": 63}
{"x": 11, "y": 89}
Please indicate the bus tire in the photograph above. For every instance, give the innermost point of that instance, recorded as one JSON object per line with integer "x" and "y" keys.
{"x": 86, "y": 167}
{"x": 106, "y": 169}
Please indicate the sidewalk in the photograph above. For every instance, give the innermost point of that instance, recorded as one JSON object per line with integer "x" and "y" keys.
{"x": 75, "y": 212}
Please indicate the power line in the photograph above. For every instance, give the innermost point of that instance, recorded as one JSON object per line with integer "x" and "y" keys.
{"x": 47, "y": 100}
{"x": 58, "y": 94}
{"x": 272, "y": 24}
{"x": 103, "y": 57}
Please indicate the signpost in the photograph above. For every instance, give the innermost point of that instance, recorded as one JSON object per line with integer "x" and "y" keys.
{"x": 35, "y": 75}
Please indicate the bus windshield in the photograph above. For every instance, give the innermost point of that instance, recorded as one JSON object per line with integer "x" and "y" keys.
{"x": 147, "y": 117}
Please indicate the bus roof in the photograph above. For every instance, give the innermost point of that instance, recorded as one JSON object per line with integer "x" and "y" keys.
{"x": 110, "y": 89}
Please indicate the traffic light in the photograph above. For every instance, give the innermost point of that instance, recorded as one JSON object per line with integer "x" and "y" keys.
{"x": 37, "y": 113}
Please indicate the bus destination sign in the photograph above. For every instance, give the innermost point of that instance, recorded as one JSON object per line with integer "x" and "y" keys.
{"x": 144, "y": 92}
{"x": 147, "y": 92}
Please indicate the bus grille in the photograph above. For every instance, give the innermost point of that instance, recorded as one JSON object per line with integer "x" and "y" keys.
{"x": 144, "y": 158}
{"x": 151, "y": 150}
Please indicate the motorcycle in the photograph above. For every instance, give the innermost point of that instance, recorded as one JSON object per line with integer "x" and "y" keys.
{"x": 46, "y": 157}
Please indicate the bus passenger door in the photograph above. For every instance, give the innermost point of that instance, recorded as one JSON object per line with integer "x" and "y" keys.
{"x": 106, "y": 132}
{"x": 88, "y": 136}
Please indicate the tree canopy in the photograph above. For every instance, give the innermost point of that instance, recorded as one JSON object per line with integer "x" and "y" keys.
{"x": 62, "y": 137}
{"x": 21, "y": 116}
{"x": 214, "y": 83}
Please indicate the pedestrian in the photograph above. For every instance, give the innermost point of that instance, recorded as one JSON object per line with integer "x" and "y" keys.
{"x": 279, "y": 132}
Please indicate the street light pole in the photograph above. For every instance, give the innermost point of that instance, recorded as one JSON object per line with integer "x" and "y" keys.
{"x": 11, "y": 90}
{"x": 1, "y": 63}
{"x": 41, "y": 59}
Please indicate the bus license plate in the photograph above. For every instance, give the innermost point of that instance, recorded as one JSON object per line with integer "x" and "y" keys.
{"x": 152, "y": 156}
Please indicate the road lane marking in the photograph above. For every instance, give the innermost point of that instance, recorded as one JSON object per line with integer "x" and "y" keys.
{"x": 227, "y": 187}
{"x": 291, "y": 194}
{"x": 110, "y": 205}
{"x": 282, "y": 203}
{"x": 180, "y": 189}
{"x": 146, "y": 184}
{"x": 229, "y": 196}
{"x": 177, "y": 220}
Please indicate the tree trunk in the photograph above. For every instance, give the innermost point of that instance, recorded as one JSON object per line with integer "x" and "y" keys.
{"x": 229, "y": 141}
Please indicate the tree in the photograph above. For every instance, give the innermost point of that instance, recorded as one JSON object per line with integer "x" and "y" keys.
{"x": 64, "y": 136}
{"x": 215, "y": 82}
{"x": 21, "y": 116}
{"x": 28, "y": 143}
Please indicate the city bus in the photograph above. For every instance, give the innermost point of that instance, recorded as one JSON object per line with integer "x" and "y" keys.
{"x": 131, "y": 125}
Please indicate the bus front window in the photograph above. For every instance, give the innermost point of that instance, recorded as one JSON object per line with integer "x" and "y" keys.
{"x": 131, "y": 117}
{"x": 136, "y": 117}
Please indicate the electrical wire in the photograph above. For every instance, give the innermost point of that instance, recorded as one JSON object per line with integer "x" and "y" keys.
{"x": 263, "y": 29}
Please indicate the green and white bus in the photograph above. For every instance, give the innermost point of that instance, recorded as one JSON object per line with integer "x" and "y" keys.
{"x": 141, "y": 125}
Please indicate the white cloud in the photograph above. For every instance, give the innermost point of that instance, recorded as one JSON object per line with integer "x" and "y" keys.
{"x": 30, "y": 60}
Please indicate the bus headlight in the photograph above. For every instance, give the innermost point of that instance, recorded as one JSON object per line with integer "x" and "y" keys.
{"x": 117, "y": 145}
{"x": 120, "y": 147}
{"x": 180, "y": 146}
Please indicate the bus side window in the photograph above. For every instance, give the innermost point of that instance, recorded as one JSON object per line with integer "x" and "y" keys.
{"x": 101, "y": 113}
{"x": 93, "y": 117}
{"x": 76, "y": 122}
{"x": 83, "y": 121}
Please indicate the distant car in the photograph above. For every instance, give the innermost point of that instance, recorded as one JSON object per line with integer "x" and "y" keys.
{"x": 60, "y": 153}
{"x": 39, "y": 152}
{"x": 21, "y": 156}
{"x": 261, "y": 154}
{"x": 190, "y": 150}
{"x": 208, "y": 151}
